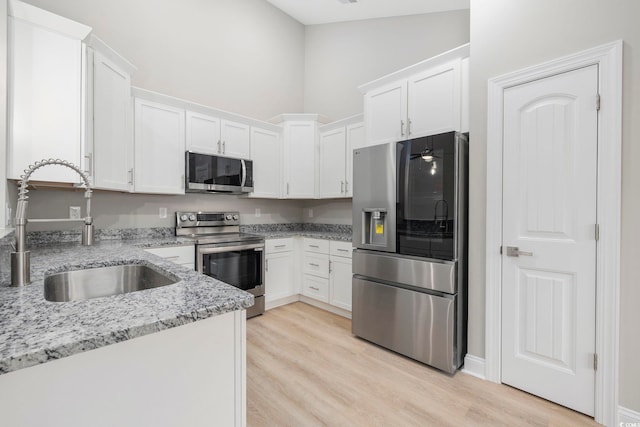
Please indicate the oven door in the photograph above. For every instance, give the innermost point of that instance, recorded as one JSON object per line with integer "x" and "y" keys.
{"x": 240, "y": 265}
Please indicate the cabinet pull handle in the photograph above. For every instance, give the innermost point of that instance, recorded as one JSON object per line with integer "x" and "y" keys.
{"x": 224, "y": 147}
{"x": 131, "y": 176}
{"x": 314, "y": 246}
{"x": 343, "y": 250}
{"x": 346, "y": 187}
{"x": 266, "y": 265}
{"x": 219, "y": 149}
{"x": 330, "y": 267}
{"x": 314, "y": 264}
{"x": 279, "y": 246}
{"x": 401, "y": 127}
{"x": 409, "y": 127}
{"x": 341, "y": 187}
{"x": 287, "y": 188}
{"x": 89, "y": 169}
{"x": 314, "y": 288}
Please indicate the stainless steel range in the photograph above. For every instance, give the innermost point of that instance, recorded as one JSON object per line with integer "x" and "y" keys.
{"x": 224, "y": 253}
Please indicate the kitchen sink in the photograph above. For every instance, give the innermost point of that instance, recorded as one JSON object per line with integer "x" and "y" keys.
{"x": 103, "y": 281}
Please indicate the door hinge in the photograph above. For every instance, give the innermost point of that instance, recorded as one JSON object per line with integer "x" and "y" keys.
{"x": 595, "y": 361}
{"x": 598, "y": 102}
{"x": 597, "y": 232}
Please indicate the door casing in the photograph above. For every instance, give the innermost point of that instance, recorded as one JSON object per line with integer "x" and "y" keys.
{"x": 609, "y": 59}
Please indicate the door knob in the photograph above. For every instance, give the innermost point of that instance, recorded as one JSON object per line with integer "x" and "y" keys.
{"x": 516, "y": 252}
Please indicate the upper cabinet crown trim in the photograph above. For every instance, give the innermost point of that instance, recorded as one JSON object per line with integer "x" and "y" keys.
{"x": 99, "y": 45}
{"x": 458, "y": 52}
{"x": 202, "y": 109}
{"x": 48, "y": 20}
{"x": 299, "y": 116}
{"x": 358, "y": 118}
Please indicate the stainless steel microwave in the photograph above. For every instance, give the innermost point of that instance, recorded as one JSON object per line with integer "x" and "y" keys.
{"x": 207, "y": 173}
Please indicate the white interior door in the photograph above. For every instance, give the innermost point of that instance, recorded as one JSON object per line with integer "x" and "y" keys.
{"x": 549, "y": 213}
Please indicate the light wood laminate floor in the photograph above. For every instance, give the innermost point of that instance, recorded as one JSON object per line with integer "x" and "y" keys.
{"x": 304, "y": 368}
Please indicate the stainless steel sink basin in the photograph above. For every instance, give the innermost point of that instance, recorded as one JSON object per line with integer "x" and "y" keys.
{"x": 103, "y": 281}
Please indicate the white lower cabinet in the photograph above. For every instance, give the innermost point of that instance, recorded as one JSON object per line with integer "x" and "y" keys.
{"x": 279, "y": 280}
{"x": 327, "y": 272}
{"x": 340, "y": 275}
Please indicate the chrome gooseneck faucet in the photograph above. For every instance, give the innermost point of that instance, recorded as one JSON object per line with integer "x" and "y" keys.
{"x": 20, "y": 259}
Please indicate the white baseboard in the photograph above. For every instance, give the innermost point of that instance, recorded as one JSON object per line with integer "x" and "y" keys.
{"x": 281, "y": 301}
{"x": 326, "y": 307}
{"x": 474, "y": 365}
{"x": 628, "y": 417}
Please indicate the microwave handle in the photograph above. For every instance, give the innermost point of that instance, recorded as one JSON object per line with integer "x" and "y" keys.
{"x": 244, "y": 173}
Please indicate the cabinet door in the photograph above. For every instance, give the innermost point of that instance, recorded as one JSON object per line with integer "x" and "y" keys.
{"x": 279, "y": 276}
{"x": 203, "y": 133}
{"x": 266, "y": 153}
{"x": 434, "y": 100}
{"x": 236, "y": 139}
{"x": 385, "y": 112}
{"x": 332, "y": 163}
{"x": 315, "y": 287}
{"x": 300, "y": 160}
{"x": 464, "y": 96}
{"x": 355, "y": 139}
{"x": 340, "y": 282}
{"x": 45, "y": 101}
{"x": 159, "y": 148}
{"x": 112, "y": 148}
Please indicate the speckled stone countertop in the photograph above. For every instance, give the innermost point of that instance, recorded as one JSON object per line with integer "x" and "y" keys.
{"x": 316, "y": 231}
{"x": 34, "y": 331}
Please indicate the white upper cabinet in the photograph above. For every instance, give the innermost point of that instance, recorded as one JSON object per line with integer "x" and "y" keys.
{"x": 266, "y": 154}
{"x": 211, "y": 135}
{"x": 109, "y": 139}
{"x": 159, "y": 148}
{"x": 236, "y": 139}
{"x": 203, "y": 133}
{"x": 355, "y": 139}
{"x": 300, "y": 159}
{"x": 45, "y": 92}
{"x": 332, "y": 163}
{"x": 434, "y": 100}
{"x": 337, "y": 141}
{"x": 385, "y": 112}
{"x": 424, "y": 99}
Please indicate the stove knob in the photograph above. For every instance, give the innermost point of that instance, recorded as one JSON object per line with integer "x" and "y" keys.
{"x": 192, "y": 217}
{"x": 183, "y": 217}
{"x": 228, "y": 217}
{"x": 235, "y": 217}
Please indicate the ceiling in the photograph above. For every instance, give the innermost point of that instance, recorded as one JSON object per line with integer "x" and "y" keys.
{"x": 310, "y": 12}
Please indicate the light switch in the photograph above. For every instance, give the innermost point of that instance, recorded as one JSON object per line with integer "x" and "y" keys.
{"x": 162, "y": 213}
{"x": 258, "y": 213}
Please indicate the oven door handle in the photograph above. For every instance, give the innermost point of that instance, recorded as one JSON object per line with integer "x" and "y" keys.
{"x": 258, "y": 247}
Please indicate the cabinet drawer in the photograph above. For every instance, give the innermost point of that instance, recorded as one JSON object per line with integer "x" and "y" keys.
{"x": 318, "y": 265}
{"x": 273, "y": 246}
{"x": 338, "y": 248}
{"x": 315, "y": 287}
{"x": 316, "y": 245}
{"x": 184, "y": 255}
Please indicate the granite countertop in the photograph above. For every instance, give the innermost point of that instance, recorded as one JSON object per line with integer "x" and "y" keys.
{"x": 316, "y": 231}
{"x": 34, "y": 331}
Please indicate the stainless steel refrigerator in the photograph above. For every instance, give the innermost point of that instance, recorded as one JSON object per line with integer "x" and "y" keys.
{"x": 410, "y": 233}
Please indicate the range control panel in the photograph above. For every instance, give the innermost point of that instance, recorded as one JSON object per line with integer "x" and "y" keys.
{"x": 207, "y": 219}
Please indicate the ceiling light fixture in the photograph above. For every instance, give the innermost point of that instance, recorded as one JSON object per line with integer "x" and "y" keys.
{"x": 427, "y": 155}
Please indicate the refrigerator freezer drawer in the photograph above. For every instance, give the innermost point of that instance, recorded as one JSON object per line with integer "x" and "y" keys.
{"x": 415, "y": 324}
{"x": 421, "y": 273}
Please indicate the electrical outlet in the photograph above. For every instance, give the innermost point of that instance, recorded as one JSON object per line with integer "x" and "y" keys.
{"x": 74, "y": 212}
{"x": 310, "y": 213}
{"x": 258, "y": 213}
{"x": 162, "y": 213}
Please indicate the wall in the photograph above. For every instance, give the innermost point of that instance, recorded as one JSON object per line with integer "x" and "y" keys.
{"x": 507, "y": 36}
{"x": 122, "y": 210}
{"x": 243, "y": 56}
{"x": 333, "y": 211}
{"x": 3, "y": 114}
{"x": 340, "y": 57}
